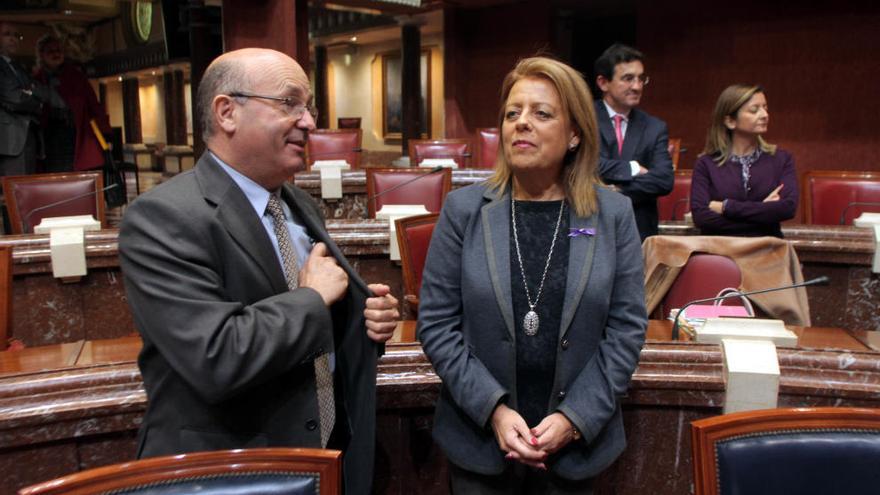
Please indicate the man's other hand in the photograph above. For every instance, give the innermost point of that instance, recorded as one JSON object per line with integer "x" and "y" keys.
{"x": 381, "y": 313}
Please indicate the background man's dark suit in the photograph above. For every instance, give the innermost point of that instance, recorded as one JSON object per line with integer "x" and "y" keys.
{"x": 228, "y": 350}
{"x": 20, "y": 107}
{"x": 647, "y": 142}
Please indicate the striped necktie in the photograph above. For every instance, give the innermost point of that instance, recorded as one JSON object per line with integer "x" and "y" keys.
{"x": 323, "y": 377}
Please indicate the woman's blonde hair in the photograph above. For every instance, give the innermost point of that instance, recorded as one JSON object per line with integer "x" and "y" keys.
{"x": 580, "y": 166}
{"x": 718, "y": 140}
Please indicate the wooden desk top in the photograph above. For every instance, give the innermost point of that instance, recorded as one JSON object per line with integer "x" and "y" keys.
{"x": 661, "y": 331}
{"x": 126, "y": 349}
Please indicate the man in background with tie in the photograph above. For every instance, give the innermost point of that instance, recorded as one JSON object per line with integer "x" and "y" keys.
{"x": 21, "y": 103}
{"x": 257, "y": 332}
{"x": 633, "y": 155}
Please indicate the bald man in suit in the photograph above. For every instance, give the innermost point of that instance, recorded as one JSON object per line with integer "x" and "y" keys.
{"x": 239, "y": 292}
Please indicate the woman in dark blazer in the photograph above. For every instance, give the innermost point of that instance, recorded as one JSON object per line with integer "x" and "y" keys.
{"x": 532, "y": 301}
{"x": 742, "y": 185}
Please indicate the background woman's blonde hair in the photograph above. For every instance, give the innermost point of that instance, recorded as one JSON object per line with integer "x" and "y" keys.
{"x": 580, "y": 167}
{"x": 718, "y": 140}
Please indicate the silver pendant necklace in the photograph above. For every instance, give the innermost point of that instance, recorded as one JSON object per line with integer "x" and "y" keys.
{"x": 531, "y": 321}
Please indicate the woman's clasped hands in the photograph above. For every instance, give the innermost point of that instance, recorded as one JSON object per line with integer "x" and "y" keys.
{"x": 530, "y": 446}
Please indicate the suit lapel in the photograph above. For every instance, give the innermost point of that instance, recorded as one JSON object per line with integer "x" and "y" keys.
{"x": 316, "y": 229}
{"x": 635, "y": 129}
{"x": 606, "y": 129}
{"x": 580, "y": 262}
{"x": 240, "y": 220}
{"x": 496, "y": 238}
{"x": 16, "y": 71}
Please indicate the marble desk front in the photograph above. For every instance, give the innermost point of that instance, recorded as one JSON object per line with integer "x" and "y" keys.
{"x": 47, "y": 311}
{"x": 85, "y": 414}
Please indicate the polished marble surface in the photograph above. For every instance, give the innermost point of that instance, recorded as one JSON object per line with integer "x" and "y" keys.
{"x": 85, "y": 414}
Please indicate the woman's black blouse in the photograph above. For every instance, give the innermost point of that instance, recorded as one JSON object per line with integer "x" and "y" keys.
{"x": 536, "y": 355}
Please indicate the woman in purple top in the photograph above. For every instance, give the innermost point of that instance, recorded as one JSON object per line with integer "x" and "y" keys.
{"x": 742, "y": 185}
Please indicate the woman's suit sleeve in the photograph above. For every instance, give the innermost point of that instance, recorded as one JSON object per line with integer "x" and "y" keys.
{"x": 591, "y": 400}
{"x": 465, "y": 377}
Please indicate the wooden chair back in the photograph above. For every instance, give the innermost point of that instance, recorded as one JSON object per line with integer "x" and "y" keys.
{"x": 27, "y": 197}
{"x": 836, "y": 197}
{"x": 244, "y": 472}
{"x": 488, "y": 139}
{"x": 430, "y": 190}
{"x": 458, "y": 150}
{"x": 335, "y": 144}
{"x": 675, "y": 151}
{"x": 676, "y": 204}
{"x": 704, "y": 276}
{"x": 799, "y": 450}
{"x": 414, "y": 238}
{"x": 348, "y": 122}
{"x": 5, "y": 295}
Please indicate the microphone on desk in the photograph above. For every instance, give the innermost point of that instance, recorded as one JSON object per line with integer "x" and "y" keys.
{"x": 433, "y": 171}
{"x": 26, "y": 219}
{"x": 855, "y": 203}
{"x": 823, "y": 280}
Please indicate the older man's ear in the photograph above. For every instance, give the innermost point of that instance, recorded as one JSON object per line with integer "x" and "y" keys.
{"x": 224, "y": 110}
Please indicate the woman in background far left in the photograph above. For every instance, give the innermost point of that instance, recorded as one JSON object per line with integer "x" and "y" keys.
{"x": 70, "y": 142}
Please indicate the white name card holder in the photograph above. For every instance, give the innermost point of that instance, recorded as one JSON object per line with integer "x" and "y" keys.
{"x": 717, "y": 329}
{"x": 433, "y": 162}
{"x": 67, "y": 244}
{"x": 867, "y": 220}
{"x": 876, "y": 265}
{"x": 751, "y": 375}
{"x": 331, "y": 177}
{"x": 392, "y": 213}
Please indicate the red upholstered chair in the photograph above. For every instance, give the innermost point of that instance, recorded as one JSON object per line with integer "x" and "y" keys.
{"x": 244, "y": 472}
{"x": 458, "y": 150}
{"x": 414, "y": 237}
{"x": 5, "y": 295}
{"x": 807, "y": 451}
{"x": 348, "y": 122}
{"x": 704, "y": 275}
{"x": 830, "y": 194}
{"x": 335, "y": 144}
{"x": 488, "y": 139}
{"x": 675, "y": 151}
{"x": 430, "y": 191}
{"x": 674, "y": 205}
{"x": 25, "y": 194}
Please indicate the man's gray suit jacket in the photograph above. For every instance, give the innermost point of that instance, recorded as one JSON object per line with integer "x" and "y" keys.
{"x": 228, "y": 351}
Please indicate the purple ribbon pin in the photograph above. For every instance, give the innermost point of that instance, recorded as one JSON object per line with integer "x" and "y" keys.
{"x": 577, "y": 232}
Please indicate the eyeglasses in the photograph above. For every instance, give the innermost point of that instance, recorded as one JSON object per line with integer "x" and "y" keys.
{"x": 290, "y": 105}
{"x": 630, "y": 79}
